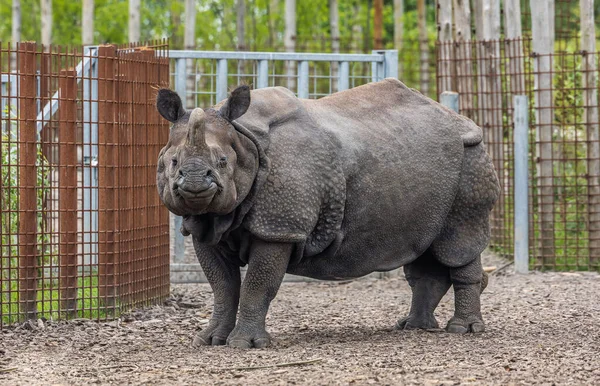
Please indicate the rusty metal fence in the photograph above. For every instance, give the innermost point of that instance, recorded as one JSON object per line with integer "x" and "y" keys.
{"x": 564, "y": 157}
{"x": 83, "y": 233}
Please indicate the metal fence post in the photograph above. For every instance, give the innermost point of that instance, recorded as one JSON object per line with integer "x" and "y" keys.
{"x": 303, "y": 79}
{"x": 180, "y": 80}
{"x": 28, "y": 209}
{"x": 221, "y": 80}
{"x": 68, "y": 193}
{"x": 377, "y": 68}
{"x": 263, "y": 74}
{"x": 178, "y": 239}
{"x": 390, "y": 58}
{"x": 343, "y": 76}
{"x": 90, "y": 157}
{"x": 521, "y": 132}
{"x": 450, "y": 100}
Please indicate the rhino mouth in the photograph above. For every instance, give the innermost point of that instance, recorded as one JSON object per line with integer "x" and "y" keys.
{"x": 204, "y": 194}
{"x": 198, "y": 197}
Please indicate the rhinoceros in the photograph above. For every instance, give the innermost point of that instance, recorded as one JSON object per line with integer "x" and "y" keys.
{"x": 368, "y": 179}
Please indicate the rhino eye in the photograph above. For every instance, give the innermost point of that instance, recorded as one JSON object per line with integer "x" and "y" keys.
{"x": 223, "y": 161}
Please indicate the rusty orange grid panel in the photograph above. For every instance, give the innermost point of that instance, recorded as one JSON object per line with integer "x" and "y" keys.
{"x": 60, "y": 257}
{"x": 564, "y": 154}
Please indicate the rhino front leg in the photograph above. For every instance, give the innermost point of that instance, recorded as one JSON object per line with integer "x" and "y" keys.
{"x": 468, "y": 282}
{"x": 224, "y": 279}
{"x": 429, "y": 281}
{"x": 266, "y": 267}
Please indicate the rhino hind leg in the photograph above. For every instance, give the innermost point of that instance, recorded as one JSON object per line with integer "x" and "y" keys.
{"x": 468, "y": 282}
{"x": 429, "y": 281}
{"x": 465, "y": 235}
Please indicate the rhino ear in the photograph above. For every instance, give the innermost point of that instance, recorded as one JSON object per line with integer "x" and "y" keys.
{"x": 237, "y": 104}
{"x": 169, "y": 105}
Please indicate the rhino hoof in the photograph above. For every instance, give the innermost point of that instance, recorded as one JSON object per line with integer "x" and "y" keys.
{"x": 208, "y": 341}
{"x": 239, "y": 343}
{"x": 239, "y": 338}
{"x": 414, "y": 323}
{"x": 455, "y": 327}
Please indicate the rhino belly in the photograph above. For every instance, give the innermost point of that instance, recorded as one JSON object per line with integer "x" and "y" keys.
{"x": 398, "y": 195}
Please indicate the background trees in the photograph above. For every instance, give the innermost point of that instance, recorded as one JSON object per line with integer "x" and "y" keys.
{"x": 216, "y": 23}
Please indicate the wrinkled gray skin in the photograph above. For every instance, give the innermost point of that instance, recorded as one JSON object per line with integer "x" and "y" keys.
{"x": 368, "y": 179}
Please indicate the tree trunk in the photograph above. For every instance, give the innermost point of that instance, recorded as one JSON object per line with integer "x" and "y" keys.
{"x": 378, "y": 25}
{"x": 367, "y": 35}
{"x": 590, "y": 103}
{"x": 189, "y": 43}
{"x": 240, "y": 25}
{"x": 356, "y": 32}
{"x": 241, "y": 36}
{"x": 514, "y": 45}
{"x": 134, "y": 21}
{"x": 272, "y": 6}
{"x": 464, "y": 65}
{"x": 335, "y": 39}
{"x": 398, "y": 29}
{"x": 446, "y": 48}
{"x": 490, "y": 100}
{"x": 46, "y": 23}
{"x": 542, "y": 33}
{"x": 289, "y": 41}
{"x": 16, "y": 31}
{"x": 423, "y": 46}
{"x": 87, "y": 23}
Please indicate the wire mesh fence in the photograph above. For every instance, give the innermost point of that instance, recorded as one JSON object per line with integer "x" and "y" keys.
{"x": 83, "y": 233}
{"x": 564, "y": 188}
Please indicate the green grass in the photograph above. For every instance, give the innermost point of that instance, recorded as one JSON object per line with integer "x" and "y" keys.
{"x": 89, "y": 303}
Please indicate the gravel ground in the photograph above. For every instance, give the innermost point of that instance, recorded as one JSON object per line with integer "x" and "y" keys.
{"x": 541, "y": 329}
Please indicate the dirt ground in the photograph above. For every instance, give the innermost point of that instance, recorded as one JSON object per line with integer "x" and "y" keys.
{"x": 541, "y": 329}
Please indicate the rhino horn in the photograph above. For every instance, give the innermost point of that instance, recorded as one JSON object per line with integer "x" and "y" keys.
{"x": 196, "y": 125}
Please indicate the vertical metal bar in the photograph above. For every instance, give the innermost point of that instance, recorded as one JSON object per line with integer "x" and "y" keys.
{"x": 263, "y": 74}
{"x": 221, "y": 80}
{"x": 124, "y": 103}
{"x": 154, "y": 256}
{"x": 521, "y": 133}
{"x": 107, "y": 182}
{"x": 180, "y": 80}
{"x": 163, "y": 134}
{"x": 148, "y": 174}
{"x": 94, "y": 157}
{"x": 378, "y": 68}
{"x": 68, "y": 191}
{"x": 140, "y": 162}
{"x": 90, "y": 159}
{"x": 178, "y": 239}
{"x": 3, "y": 90}
{"x": 390, "y": 58}
{"x": 303, "y": 80}
{"x": 27, "y": 181}
{"x": 343, "y": 76}
{"x": 450, "y": 100}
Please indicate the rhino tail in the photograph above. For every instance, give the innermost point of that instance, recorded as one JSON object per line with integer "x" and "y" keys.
{"x": 472, "y": 138}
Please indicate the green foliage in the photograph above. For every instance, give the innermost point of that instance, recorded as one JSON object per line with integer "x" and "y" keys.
{"x": 48, "y": 302}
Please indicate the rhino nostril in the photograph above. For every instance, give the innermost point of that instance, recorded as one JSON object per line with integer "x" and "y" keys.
{"x": 209, "y": 173}
{"x": 181, "y": 173}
